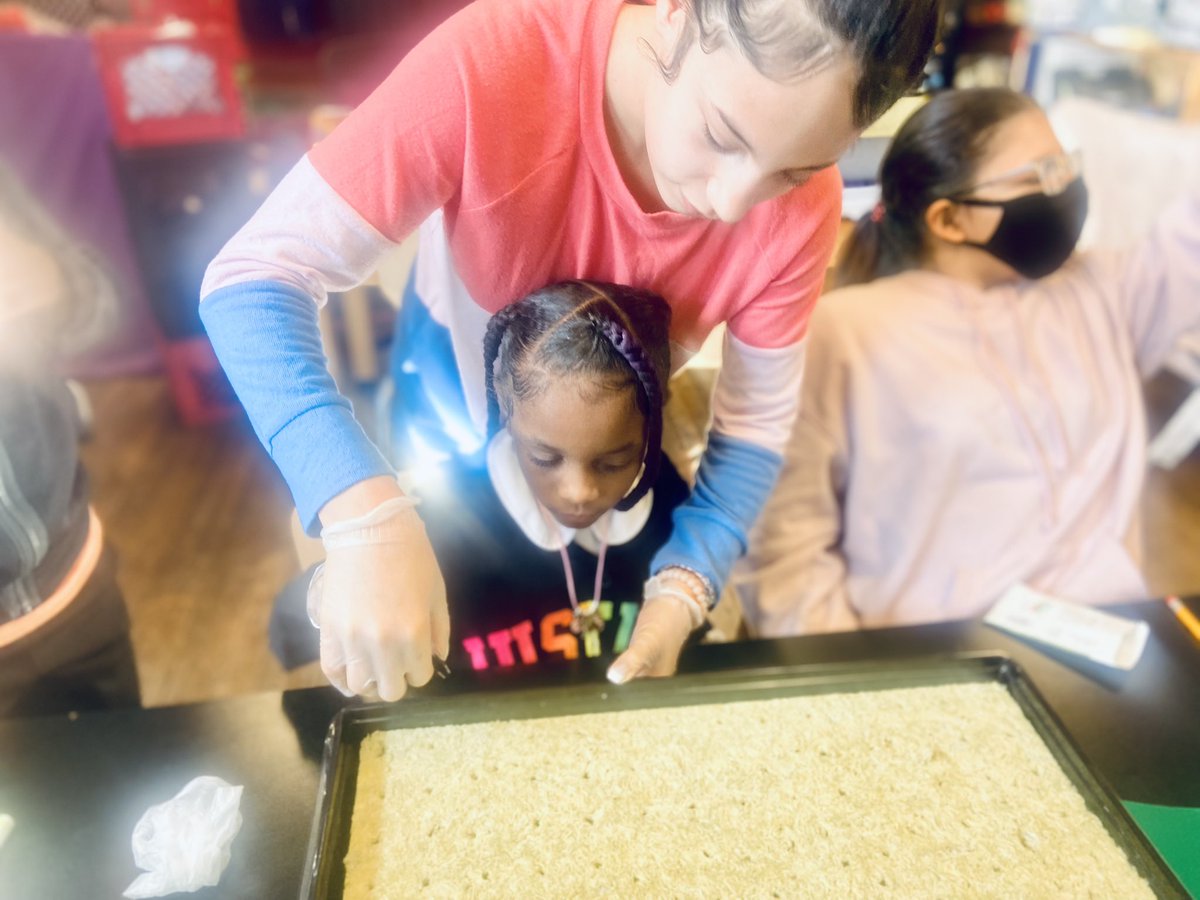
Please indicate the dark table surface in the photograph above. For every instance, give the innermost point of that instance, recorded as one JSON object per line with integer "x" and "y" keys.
{"x": 77, "y": 785}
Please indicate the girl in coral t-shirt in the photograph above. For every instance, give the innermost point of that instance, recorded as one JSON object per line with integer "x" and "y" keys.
{"x": 687, "y": 148}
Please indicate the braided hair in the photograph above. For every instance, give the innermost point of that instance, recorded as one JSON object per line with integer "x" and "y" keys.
{"x": 612, "y": 331}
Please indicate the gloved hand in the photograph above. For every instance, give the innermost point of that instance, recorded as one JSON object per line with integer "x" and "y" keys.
{"x": 675, "y": 605}
{"x": 380, "y": 602}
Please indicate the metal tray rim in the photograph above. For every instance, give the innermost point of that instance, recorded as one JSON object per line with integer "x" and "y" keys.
{"x": 351, "y": 724}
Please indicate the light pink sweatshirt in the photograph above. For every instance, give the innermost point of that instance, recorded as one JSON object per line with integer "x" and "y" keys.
{"x": 954, "y": 441}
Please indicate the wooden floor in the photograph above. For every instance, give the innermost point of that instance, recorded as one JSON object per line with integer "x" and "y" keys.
{"x": 201, "y": 521}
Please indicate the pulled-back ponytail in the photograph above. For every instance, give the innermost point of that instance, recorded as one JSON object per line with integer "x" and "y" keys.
{"x": 880, "y": 245}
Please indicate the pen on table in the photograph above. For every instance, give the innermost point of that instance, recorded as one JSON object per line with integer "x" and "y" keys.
{"x": 1186, "y": 617}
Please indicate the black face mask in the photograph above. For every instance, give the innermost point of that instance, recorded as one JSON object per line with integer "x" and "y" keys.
{"x": 1038, "y": 232}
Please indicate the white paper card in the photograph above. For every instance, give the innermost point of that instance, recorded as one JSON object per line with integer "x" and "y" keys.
{"x": 1084, "y": 630}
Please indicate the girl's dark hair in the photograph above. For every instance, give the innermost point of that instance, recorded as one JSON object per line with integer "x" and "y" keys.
{"x": 613, "y": 331}
{"x": 934, "y": 155}
{"x": 787, "y": 40}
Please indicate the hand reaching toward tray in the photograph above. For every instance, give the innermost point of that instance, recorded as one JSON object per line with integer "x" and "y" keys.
{"x": 670, "y": 612}
{"x": 380, "y": 602}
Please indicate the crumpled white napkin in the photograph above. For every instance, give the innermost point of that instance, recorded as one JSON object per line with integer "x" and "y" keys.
{"x": 184, "y": 843}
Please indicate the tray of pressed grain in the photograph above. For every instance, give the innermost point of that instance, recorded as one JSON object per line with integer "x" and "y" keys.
{"x": 932, "y": 777}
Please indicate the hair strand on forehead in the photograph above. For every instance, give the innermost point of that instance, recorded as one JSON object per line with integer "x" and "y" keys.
{"x": 888, "y": 41}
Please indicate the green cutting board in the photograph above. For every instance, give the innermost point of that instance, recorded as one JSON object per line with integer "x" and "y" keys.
{"x": 1175, "y": 833}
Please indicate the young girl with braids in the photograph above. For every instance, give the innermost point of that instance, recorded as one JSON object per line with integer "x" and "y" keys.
{"x": 685, "y": 146}
{"x": 550, "y": 559}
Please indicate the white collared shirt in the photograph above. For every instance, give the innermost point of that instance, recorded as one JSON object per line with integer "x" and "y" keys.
{"x": 614, "y": 527}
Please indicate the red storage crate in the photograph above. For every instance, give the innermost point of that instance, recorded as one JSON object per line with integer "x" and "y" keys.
{"x": 199, "y": 387}
{"x": 172, "y": 83}
{"x": 220, "y": 12}
{"x": 12, "y": 18}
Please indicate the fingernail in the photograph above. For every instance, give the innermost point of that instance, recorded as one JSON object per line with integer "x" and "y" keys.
{"x": 617, "y": 674}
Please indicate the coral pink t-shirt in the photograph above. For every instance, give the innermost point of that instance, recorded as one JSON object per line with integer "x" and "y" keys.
{"x": 491, "y": 133}
{"x": 498, "y": 119}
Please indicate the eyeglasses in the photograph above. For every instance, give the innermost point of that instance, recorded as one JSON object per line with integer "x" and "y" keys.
{"x": 1053, "y": 174}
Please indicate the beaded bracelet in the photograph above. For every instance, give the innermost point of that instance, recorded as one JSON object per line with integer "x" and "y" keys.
{"x": 684, "y": 584}
{"x": 690, "y": 603}
{"x": 702, "y": 586}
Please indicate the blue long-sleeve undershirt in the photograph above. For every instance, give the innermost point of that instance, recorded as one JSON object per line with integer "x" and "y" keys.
{"x": 266, "y": 337}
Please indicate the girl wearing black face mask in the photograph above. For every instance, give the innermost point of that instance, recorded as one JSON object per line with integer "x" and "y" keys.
{"x": 976, "y": 186}
{"x": 972, "y": 415}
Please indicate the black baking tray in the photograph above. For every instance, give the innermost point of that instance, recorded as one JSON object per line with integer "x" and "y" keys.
{"x": 325, "y": 874}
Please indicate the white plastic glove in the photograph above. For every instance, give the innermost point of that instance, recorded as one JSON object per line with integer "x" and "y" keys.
{"x": 380, "y": 602}
{"x": 185, "y": 843}
{"x": 674, "y": 606}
